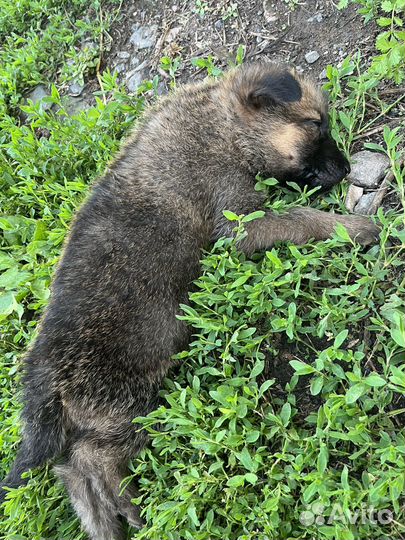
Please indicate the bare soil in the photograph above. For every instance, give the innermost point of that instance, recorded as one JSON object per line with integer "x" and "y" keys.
{"x": 282, "y": 31}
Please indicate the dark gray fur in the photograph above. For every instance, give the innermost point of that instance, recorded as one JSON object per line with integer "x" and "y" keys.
{"x": 110, "y": 329}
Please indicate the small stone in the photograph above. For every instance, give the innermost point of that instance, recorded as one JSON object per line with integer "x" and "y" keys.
{"x": 322, "y": 76}
{"x": 38, "y": 94}
{"x": 172, "y": 34}
{"x": 75, "y": 89}
{"x": 120, "y": 68}
{"x": 318, "y": 17}
{"x": 312, "y": 56}
{"x": 364, "y": 204}
{"x": 219, "y": 24}
{"x": 134, "y": 80}
{"x": 89, "y": 45}
{"x": 162, "y": 89}
{"x": 123, "y": 55}
{"x": 269, "y": 13}
{"x": 42, "y": 133}
{"x": 139, "y": 66}
{"x": 299, "y": 69}
{"x": 368, "y": 169}
{"x": 143, "y": 37}
{"x": 353, "y": 196}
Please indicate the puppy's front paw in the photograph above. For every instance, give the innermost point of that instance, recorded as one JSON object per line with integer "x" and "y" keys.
{"x": 361, "y": 229}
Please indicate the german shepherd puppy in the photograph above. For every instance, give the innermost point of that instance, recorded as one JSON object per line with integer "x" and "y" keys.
{"x": 110, "y": 329}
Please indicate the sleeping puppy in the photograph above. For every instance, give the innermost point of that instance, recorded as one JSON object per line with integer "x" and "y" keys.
{"x": 110, "y": 329}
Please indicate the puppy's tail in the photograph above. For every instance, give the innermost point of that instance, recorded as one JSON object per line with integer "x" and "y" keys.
{"x": 43, "y": 431}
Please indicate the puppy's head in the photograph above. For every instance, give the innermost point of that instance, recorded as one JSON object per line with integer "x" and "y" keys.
{"x": 283, "y": 126}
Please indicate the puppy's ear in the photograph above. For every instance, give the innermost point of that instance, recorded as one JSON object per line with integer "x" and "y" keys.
{"x": 274, "y": 89}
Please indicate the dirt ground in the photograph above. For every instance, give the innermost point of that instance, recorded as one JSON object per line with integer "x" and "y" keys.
{"x": 283, "y": 30}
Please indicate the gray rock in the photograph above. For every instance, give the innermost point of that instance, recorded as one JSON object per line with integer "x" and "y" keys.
{"x": 75, "y": 89}
{"x": 318, "y": 17}
{"x": 368, "y": 169}
{"x": 123, "y": 55}
{"x": 354, "y": 193}
{"x": 75, "y": 104}
{"x": 312, "y": 56}
{"x": 38, "y": 94}
{"x": 219, "y": 24}
{"x": 365, "y": 202}
{"x": 143, "y": 37}
{"x": 322, "y": 76}
{"x": 120, "y": 68}
{"x": 133, "y": 80}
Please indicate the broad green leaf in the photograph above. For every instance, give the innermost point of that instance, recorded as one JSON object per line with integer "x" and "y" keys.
{"x": 246, "y": 459}
{"x": 323, "y": 457}
{"x": 230, "y": 216}
{"x": 251, "y": 478}
{"x": 11, "y": 278}
{"x": 342, "y": 233}
{"x": 354, "y": 392}
{"x": 340, "y": 338}
{"x": 236, "y": 481}
{"x": 285, "y": 414}
{"x": 316, "y": 385}
{"x": 7, "y": 303}
{"x": 375, "y": 380}
{"x": 257, "y": 368}
{"x": 191, "y": 511}
{"x": 301, "y": 368}
{"x": 254, "y": 215}
{"x": 398, "y": 335}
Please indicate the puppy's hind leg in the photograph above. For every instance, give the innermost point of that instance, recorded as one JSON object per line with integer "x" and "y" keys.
{"x": 113, "y": 457}
{"x": 98, "y": 516}
{"x": 96, "y": 466}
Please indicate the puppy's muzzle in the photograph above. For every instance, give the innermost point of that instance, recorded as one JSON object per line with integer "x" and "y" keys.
{"x": 326, "y": 168}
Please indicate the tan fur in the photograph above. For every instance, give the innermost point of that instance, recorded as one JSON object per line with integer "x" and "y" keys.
{"x": 287, "y": 139}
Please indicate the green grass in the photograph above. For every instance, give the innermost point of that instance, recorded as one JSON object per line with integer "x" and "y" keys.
{"x": 286, "y": 416}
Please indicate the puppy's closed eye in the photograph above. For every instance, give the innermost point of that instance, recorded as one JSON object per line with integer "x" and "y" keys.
{"x": 315, "y": 123}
